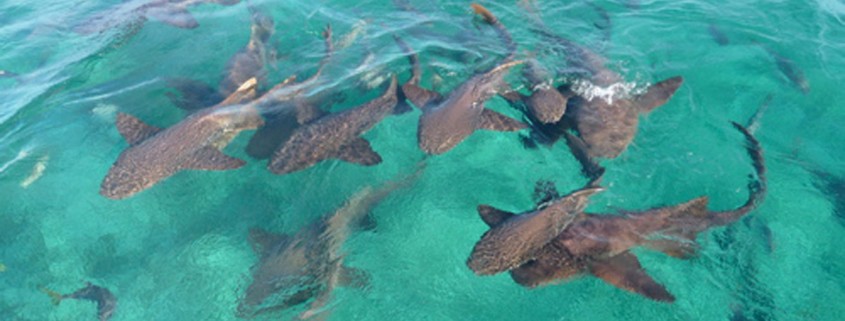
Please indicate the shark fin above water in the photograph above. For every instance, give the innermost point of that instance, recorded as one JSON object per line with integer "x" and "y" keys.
{"x": 625, "y": 272}
{"x": 359, "y": 152}
{"x": 493, "y": 216}
{"x": 133, "y": 129}
{"x": 658, "y": 94}
{"x": 492, "y": 120}
{"x": 173, "y": 15}
{"x": 212, "y": 159}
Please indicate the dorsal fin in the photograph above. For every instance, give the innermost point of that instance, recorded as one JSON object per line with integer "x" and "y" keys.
{"x": 263, "y": 241}
{"x": 696, "y": 207}
{"x": 493, "y": 216}
{"x": 133, "y": 129}
{"x": 245, "y": 92}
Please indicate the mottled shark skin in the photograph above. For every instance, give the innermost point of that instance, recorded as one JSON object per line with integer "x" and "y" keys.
{"x": 249, "y": 62}
{"x": 446, "y": 122}
{"x": 600, "y": 244}
{"x": 194, "y": 143}
{"x": 511, "y": 242}
{"x": 335, "y": 136}
{"x": 106, "y": 301}
{"x": 136, "y": 12}
{"x": 294, "y": 269}
{"x": 292, "y": 106}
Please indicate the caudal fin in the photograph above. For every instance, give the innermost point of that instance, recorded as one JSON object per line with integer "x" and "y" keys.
{"x": 756, "y": 187}
{"x": 55, "y": 297}
{"x": 500, "y": 29}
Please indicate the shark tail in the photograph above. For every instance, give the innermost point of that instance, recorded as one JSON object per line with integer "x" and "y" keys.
{"x": 757, "y": 187}
{"x": 327, "y": 38}
{"x": 55, "y": 297}
{"x": 500, "y": 29}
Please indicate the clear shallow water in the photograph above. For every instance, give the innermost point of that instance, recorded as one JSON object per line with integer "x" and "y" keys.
{"x": 179, "y": 251}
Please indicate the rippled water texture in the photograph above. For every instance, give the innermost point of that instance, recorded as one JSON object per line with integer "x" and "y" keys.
{"x": 179, "y": 250}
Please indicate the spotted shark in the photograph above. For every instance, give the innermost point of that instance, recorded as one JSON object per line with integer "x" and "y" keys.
{"x": 293, "y": 269}
{"x": 447, "y": 121}
{"x": 106, "y": 301}
{"x": 514, "y": 241}
{"x": 600, "y": 244}
{"x": 135, "y": 12}
{"x": 194, "y": 143}
{"x": 335, "y": 136}
{"x": 250, "y": 61}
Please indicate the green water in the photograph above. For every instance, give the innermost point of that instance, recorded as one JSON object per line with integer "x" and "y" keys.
{"x": 179, "y": 250}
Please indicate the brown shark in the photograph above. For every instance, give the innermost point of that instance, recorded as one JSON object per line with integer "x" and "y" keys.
{"x": 299, "y": 98}
{"x": 106, "y": 301}
{"x": 136, "y": 12}
{"x": 600, "y": 244}
{"x": 248, "y": 62}
{"x": 335, "y": 136}
{"x": 511, "y": 242}
{"x": 194, "y": 143}
{"x": 446, "y": 122}
{"x": 293, "y": 269}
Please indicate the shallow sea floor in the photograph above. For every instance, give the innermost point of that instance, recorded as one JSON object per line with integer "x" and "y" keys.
{"x": 179, "y": 250}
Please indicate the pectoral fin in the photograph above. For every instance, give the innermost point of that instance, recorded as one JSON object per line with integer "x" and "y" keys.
{"x": 419, "y": 96}
{"x": 175, "y": 16}
{"x": 263, "y": 241}
{"x": 658, "y": 94}
{"x": 491, "y": 120}
{"x": 133, "y": 129}
{"x": 625, "y": 272}
{"x": 211, "y": 159}
{"x": 359, "y": 152}
{"x": 493, "y": 216}
{"x": 589, "y": 167}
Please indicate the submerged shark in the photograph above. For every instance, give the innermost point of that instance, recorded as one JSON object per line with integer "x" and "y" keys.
{"x": 790, "y": 70}
{"x": 194, "y": 143}
{"x": 446, "y": 122}
{"x": 136, "y": 12}
{"x": 513, "y": 241}
{"x": 106, "y": 301}
{"x": 335, "y": 136}
{"x": 248, "y": 62}
{"x": 293, "y": 269}
{"x": 600, "y": 244}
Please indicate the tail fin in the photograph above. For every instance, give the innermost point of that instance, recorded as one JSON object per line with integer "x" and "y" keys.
{"x": 327, "y": 37}
{"x": 757, "y": 188}
{"x": 55, "y": 297}
{"x": 500, "y": 29}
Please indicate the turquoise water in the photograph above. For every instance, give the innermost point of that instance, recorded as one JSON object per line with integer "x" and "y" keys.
{"x": 179, "y": 250}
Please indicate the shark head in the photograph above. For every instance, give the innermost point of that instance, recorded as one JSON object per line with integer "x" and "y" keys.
{"x": 514, "y": 239}
{"x": 121, "y": 183}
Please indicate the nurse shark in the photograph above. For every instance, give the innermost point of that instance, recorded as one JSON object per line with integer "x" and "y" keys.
{"x": 293, "y": 269}
{"x": 447, "y": 121}
{"x": 600, "y": 244}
